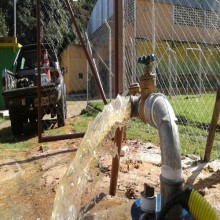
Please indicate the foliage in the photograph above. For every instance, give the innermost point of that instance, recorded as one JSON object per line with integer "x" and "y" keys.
{"x": 82, "y": 12}
{"x": 26, "y": 22}
{"x": 54, "y": 17}
{"x": 97, "y": 105}
{"x": 3, "y": 29}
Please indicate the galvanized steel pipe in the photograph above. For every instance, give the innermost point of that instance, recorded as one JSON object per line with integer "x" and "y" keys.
{"x": 160, "y": 115}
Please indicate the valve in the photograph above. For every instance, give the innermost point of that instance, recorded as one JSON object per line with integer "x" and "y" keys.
{"x": 149, "y": 63}
{"x": 147, "y": 80}
{"x": 147, "y": 59}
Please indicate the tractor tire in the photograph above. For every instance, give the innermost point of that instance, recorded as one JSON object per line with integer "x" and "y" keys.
{"x": 16, "y": 123}
{"x": 61, "y": 111}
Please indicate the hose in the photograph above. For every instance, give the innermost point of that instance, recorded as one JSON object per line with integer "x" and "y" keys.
{"x": 192, "y": 202}
{"x": 200, "y": 209}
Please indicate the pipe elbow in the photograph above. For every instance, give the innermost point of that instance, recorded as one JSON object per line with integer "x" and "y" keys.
{"x": 157, "y": 110}
{"x": 159, "y": 114}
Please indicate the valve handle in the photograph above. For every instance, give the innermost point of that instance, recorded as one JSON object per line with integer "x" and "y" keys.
{"x": 147, "y": 59}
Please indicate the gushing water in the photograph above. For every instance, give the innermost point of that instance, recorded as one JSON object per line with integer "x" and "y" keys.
{"x": 68, "y": 196}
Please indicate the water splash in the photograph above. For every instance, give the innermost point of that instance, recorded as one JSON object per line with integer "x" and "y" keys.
{"x": 68, "y": 196}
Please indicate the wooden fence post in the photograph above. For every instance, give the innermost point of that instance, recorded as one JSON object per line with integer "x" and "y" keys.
{"x": 212, "y": 128}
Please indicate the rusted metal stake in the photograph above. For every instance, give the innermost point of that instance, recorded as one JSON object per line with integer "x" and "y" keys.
{"x": 118, "y": 68}
{"x": 116, "y": 163}
{"x": 39, "y": 119}
{"x": 212, "y": 128}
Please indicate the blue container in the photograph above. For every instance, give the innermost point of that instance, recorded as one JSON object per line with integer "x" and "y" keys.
{"x": 138, "y": 214}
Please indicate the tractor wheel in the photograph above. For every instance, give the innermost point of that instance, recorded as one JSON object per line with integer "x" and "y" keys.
{"x": 16, "y": 123}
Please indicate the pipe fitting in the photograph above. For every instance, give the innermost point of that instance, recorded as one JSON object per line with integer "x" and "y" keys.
{"x": 157, "y": 111}
{"x": 134, "y": 105}
{"x": 169, "y": 188}
{"x": 160, "y": 115}
{"x": 153, "y": 108}
{"x": 148, "y": 199}
{"x": 148, "y": 87}
{"x": 134, "y": 89}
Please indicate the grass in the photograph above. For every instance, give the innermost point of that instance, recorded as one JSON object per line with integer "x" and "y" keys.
{"x": 81, "y": 123}
{"x": 194, "y": 108}
{"x": 195, "y": 113}
{"x": 1, "y": 119}
{"x": 9, "y": 143}
{"x": 192, "y": 135}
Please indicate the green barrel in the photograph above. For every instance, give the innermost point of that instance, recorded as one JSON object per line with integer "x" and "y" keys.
{"x": 8, "y": 50}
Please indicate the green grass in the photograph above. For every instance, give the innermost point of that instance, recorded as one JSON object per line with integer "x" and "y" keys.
{"x": 195, "y": 110}
{"x": 1, "y": 119}
{"x": 82, "y": 123}
{"x": 97, "y": 105}
{"x": 192, "y": 137}
{"x": 9, "y": 143}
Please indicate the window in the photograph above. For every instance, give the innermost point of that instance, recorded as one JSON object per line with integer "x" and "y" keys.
{"x": 80, "y": 75}
{"x": 196, "y": 17}
{"x": 188, "y": 16}
{"x": 129, "y": 11}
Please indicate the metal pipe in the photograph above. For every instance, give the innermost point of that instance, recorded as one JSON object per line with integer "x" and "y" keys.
{"x": 110, "y": 60}
{"x": 116, "y": 30}
{"x": 85, "y": 51}
{"x": 39, "y": 119}
{"x": 62, "y": 137}
{"x": 15, "y": 19}
{"x": 160, "y": 115}
{"x": 118, "y": 23}
{"x": 116, "y": 162}
{"x": 118, "y": 135}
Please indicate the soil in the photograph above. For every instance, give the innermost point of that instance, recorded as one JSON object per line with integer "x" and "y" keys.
{"x": 29, "y": 178}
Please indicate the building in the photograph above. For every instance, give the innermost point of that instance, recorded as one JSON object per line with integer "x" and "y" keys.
{"x": 74, "y": 62}
{"x": 185, "y": 36}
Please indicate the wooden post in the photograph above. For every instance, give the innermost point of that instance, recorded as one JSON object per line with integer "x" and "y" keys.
{"x": 212, "y": 128}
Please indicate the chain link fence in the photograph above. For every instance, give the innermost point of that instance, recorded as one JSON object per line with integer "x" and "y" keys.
{"x": 184, "y": 35}
{"x": 67, "y": 73}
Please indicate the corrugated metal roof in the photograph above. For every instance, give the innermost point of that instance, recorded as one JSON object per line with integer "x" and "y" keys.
{"x": 104, "y": 10}
{"x": 210, "y": 5}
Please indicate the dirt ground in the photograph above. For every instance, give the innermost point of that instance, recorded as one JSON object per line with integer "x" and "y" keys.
{"x": 29, "y": 179}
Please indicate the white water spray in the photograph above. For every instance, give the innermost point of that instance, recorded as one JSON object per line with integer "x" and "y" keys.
{"x": 68, "y": 196}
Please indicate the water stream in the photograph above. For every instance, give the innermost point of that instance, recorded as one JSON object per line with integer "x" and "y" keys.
{"x": 68, "y": 195}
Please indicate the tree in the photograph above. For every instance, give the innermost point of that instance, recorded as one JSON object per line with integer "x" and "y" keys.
{"x": 26, "y": 22}
{"x": 3, "y": 25}
{"x": 82, "y": 12}
{"x": 56, "y": 25}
